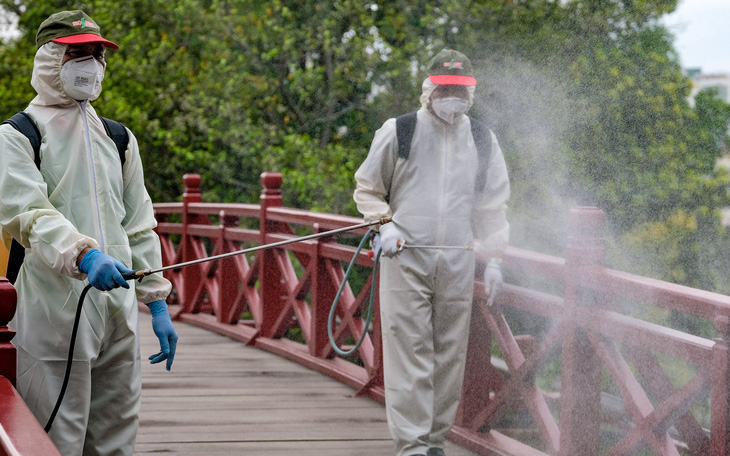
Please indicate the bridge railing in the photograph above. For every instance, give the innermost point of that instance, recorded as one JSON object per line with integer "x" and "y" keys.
{"x": 20, "y": 432}
{"x": 259, "y": 299}
{"x": 573, "y": 358}
{"x": 592, "y": 374}
{"x": 620, "y": 381}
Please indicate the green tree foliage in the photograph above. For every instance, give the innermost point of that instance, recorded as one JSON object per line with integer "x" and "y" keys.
{"x": 711, "y": 128}
{"x": 586, "y": 96}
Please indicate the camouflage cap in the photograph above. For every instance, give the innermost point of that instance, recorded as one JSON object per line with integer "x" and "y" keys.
{"x": 70, "y": 27}
{"x": 450, "y": 67}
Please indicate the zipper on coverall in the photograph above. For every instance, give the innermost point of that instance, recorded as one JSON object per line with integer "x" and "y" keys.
{"x": 93, "y": 176}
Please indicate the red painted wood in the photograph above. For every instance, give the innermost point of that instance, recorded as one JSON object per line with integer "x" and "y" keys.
{"x": 22, "y": 431}
{"x": 660, "y": 386}
{"x": 8, "y": 303}
{"x": 269, "y": 276}
{"x": 375, "y": 367}
{"x": 189, "y": 250}
{"x": 581, "y": 373}
{"x": 281, "y": 295}
{"x": 589, "y": 333}
{"x": 720, "y": 430}
{"x": 478, "y": 373}
{"x": 228, "y": 278}
{"x": 323, "y": 291}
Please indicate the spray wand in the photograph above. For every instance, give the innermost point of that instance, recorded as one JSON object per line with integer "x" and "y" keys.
{"x": 404, "y": 245}
{"x": 142, "y": 273}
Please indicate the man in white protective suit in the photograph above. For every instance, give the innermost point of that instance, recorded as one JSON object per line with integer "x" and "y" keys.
{"x": 445, "y": 190}
{"x": 83, "y": 213}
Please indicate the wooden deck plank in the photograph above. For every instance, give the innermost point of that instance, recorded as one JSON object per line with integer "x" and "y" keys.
{"x": 224, "y": 398}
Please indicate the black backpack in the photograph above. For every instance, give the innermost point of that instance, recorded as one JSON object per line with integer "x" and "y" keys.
{"x": 25, "y": 124}
{"x": 405, "y": 125}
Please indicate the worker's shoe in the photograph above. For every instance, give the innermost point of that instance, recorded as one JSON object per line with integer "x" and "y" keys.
{"x": 435, "y": 452}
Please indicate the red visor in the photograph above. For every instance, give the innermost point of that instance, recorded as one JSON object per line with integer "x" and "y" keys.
{"x": 85, "y": 38}
{"x": 452, "y": 79}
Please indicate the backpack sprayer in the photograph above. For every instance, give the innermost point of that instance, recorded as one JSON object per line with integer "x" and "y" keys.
{"x": 142, "y": 273}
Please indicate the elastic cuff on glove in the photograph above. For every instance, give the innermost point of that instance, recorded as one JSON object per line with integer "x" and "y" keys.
{"x": 157, "y": 308}
{"x": 87, "y": 260}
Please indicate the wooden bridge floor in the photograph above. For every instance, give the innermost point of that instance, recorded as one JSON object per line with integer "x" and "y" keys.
{"x": 224, "y": 398}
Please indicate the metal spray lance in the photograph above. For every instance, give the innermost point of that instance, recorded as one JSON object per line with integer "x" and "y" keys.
{"x": 142, "y": 273}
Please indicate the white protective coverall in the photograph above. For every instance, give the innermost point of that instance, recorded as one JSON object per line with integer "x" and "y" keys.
{"x": 426, "y": 294}
{"x": 81, "y": 197}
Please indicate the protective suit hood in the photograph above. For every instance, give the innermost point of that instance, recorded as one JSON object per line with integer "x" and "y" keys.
{"x": 81, "y": 196}
{"x": 46, "y": 78}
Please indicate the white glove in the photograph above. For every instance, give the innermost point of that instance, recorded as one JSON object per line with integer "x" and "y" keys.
{"x": 391, "y": 240}
{"x": 375, "y": 244}
{"x": 493, "y": 279}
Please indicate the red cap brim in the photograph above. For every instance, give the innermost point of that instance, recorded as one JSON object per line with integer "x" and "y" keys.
{"x": 85, "y": 38}
{"x": 452, "y": 79}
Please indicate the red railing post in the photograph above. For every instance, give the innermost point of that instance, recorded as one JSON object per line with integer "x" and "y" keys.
{"x": 580, "y": 394}
{"x": 479, "y": 375}
{"x": 377, "y": 378}
{"x": 323, "y": 294}
{"x": 190, "y": 274}
{"x": 270, "y": 285}
{"x": 227, "y": 274}
{"x": 720, "y": 396}
{"x": 8, "y": 303}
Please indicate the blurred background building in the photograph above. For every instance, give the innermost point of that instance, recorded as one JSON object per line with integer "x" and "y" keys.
{"x": 701, "y": 81}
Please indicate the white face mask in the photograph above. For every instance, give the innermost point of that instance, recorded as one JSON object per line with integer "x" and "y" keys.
{"x": 81, "y": 78}
{"x": 449, "y": 108}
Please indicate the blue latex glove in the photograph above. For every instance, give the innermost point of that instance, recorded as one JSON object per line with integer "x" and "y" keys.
{"x": 165, "y": 332}
{"x": 105, "y": 272}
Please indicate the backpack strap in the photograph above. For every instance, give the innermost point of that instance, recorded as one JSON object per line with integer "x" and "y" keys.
{"x": 24, "y": 124}
{"x": 483, "y": 141}
{"x": 15, "y": 259}
{"x": 405, "y": 125}
{"x": 118, "y": 133}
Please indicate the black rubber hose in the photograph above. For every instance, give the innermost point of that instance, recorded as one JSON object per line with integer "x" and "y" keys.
{"x": 71, "y": 347}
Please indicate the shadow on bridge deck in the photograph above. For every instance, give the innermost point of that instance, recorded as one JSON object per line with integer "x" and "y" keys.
{"x": 224, "y": 398}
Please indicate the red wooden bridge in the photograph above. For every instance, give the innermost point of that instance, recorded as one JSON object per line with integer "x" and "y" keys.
{"x": 567, "y": 362}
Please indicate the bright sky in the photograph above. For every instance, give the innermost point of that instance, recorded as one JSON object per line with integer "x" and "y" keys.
{"x": 702, "y": 31}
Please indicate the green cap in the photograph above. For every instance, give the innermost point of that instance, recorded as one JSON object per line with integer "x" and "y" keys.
{"x": 450, "y": 67}
{"x": 70, "y": 27}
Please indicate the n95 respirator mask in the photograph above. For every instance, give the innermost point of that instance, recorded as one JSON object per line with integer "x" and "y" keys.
{"x": 450, "y": 108}
{"x": 81, "y": 78}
